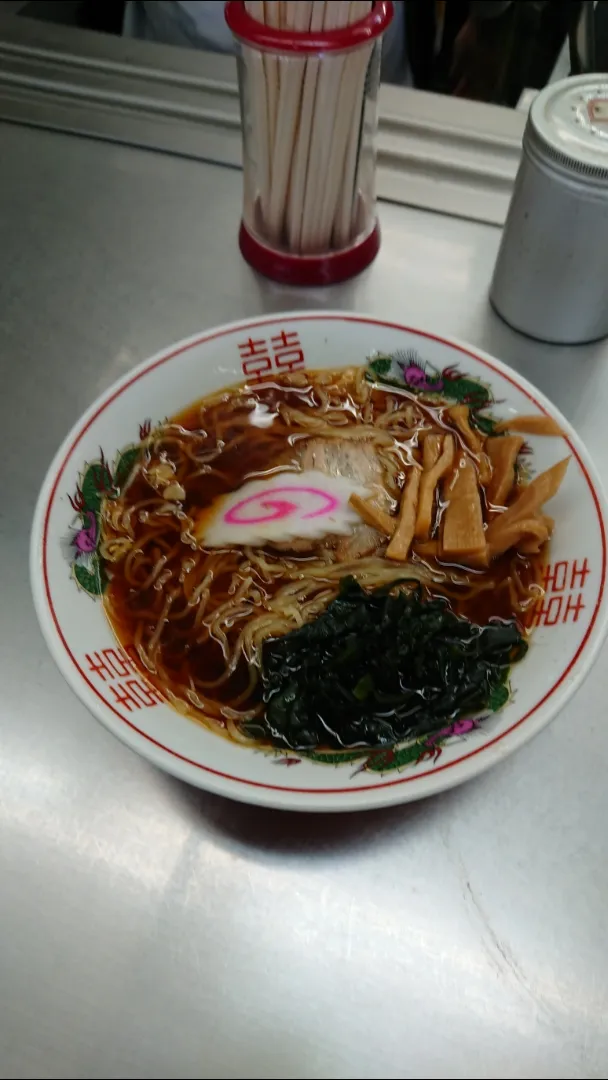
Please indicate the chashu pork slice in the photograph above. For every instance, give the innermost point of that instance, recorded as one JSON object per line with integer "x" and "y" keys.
{"x": 355, "y": 459}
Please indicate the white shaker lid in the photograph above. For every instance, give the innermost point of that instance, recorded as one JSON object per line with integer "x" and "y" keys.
{"x": 568, "y": 126}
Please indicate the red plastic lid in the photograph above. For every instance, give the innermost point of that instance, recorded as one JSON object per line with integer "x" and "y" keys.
{"x": 260, "y": 36}
{"x": 309, "y": 269}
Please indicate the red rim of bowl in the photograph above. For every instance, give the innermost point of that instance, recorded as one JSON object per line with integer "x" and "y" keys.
{"x": 260, "y": 36}
{"x": 309, "y": 269}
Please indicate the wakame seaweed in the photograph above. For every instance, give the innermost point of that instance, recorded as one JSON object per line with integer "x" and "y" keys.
{"x": 379, "y": 667}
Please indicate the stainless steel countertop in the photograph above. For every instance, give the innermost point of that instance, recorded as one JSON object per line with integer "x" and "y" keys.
{"x": 148, "y": 930}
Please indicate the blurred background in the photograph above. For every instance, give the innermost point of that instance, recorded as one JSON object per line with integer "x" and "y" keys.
{"x": 494, "y": 52}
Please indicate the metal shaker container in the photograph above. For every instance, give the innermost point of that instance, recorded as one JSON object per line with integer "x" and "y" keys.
{"x": 551, "y": 275}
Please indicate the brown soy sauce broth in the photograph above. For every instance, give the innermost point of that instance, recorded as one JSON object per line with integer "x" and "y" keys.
{"x": 241, "y": 434}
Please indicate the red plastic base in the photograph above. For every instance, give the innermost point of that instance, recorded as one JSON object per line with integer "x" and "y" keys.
{"x": 309, "y": 269}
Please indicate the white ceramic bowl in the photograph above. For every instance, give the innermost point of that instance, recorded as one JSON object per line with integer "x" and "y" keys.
{"x": 571, "y": 621}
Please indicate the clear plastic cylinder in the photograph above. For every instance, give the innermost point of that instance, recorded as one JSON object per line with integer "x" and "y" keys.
{"x": 309, "y": 125}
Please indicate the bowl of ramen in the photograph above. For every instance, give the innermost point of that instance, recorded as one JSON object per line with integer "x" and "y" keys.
{"x": 319, "y": 561}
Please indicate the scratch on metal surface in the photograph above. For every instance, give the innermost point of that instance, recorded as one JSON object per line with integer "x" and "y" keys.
{"x": 509, "y": 963}
{"x": 497, "y": 951}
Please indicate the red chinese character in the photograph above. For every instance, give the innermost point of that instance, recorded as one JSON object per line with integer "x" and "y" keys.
{"x": 147, "y": 694}
{"x": 253, "y": 348}
{"x": 574, "y": 608}
{"x": 555, "y": 578}
{"x": 123, "y": 696}
{"x": 579, "y": 573}
{"x": 288, "y": 354}
{"x": 548, "y": 614}
{"x": 99, "y": 666}
{"x": 136, "y": 694}
{"x": 256, "y": 362}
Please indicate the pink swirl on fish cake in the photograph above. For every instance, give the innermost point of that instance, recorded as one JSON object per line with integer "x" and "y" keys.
{"x": 280, "y": 508}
